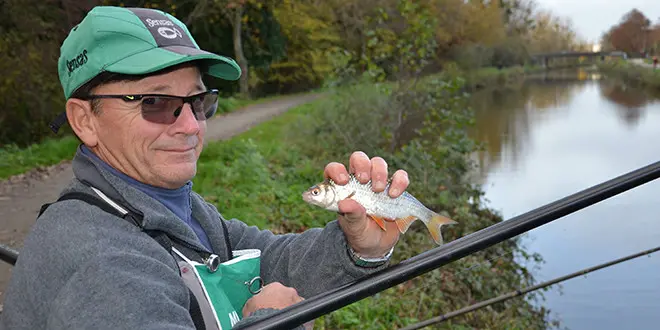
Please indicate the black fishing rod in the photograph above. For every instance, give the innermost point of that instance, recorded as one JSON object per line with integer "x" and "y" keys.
{"x": 327, "y": 302}
{"x": 8, "y": 254}
{"x": 517, "y": 293}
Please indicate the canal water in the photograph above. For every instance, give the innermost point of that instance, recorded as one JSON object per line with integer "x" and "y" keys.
{"x": 556, "y": 135}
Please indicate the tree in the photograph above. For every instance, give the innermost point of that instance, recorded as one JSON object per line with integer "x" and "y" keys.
{"x": 518, "y": 16}
{"x": 310, "y": 36}
{"x": 31, "y": 32}
{"x": 631, "y": 35}
{"x": 654, "y": 40}
{"x": 232, "y": 11}
{"x": 238, "y": 13}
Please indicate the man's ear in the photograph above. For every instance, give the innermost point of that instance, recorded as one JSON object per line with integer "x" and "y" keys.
{"x": 82, "y": 121}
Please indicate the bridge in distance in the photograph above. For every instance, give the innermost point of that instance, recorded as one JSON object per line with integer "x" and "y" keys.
{"x": 545, "y": 57}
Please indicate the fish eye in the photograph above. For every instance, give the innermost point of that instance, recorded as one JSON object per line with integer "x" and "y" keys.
{"x": 315, "y": 191}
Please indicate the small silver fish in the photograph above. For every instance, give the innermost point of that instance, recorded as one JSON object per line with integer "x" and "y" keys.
{"x": 403, "y": 210}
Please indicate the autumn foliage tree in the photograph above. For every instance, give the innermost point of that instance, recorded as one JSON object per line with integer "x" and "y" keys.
{"x": 634, "y": 34}
{"x": 282, "y": 46}
{"x": 506, "y": 32}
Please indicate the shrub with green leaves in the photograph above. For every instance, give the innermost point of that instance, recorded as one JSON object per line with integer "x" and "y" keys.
{"x": 259, "y": 177}
{"x": 632, "y": 74}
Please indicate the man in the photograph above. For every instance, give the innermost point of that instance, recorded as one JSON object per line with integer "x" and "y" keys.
{"x": 132, "y": 246}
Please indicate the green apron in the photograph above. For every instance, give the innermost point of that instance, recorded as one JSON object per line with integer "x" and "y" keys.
{"x": 228, "y": 285}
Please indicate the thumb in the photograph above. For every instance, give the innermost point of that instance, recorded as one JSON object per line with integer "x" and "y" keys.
{"x": 351, "y": 210}
{"x": 353, "y": 218}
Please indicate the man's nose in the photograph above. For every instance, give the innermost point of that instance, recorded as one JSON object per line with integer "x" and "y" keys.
{"x": 186, "y": 122}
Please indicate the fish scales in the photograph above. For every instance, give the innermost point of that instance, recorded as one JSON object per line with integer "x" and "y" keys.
{"x": 381, "y": 203}
{"x": 403, "y": 210}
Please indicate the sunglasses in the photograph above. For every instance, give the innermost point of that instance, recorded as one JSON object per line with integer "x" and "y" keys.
{"x": 165, "y": 109}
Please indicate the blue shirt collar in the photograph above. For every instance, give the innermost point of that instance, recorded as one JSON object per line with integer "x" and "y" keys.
{"x": 177, "y": 200}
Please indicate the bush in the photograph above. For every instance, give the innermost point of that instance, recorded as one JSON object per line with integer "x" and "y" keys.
{"x": 633, "y": 74}
{"x": 419, "y": 127}
{"x": 509, "y": 52}
{"x": 30, "y": 36}
{"x": 30, "y": 93}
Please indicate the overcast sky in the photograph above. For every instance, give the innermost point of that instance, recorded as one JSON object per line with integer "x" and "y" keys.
{"x": 591, "y": 18}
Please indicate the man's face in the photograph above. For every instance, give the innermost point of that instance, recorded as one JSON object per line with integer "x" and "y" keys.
{"x": 157, "y": 154}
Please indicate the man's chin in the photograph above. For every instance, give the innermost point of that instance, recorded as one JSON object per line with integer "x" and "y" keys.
{"x": 176, "y": 175}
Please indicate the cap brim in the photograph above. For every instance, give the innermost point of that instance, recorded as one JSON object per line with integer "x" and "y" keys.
{"x": 159, "y": 58}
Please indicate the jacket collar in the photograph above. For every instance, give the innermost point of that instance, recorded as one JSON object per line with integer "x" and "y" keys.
{"x": 155, "y": 216}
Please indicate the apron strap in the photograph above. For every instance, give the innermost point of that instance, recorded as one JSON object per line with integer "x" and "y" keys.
{"x": 89, "y": 199}
{"x": 162, "y": 238}
{"x": 230, "y": 254}
{"x": 196, "y": 312}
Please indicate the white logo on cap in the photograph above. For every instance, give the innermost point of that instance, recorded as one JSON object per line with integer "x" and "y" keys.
{"x": 169, "y": 32}
{"x": 155, "y": 22}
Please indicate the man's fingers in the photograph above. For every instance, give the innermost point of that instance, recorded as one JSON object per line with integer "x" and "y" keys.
{"x": 378, "y": 174}
{"x": 273, "y": 295}
{"x": 400, "y": 183}
{"x": 337, "y": 172}
{"x": 295, "y": 298}
{"x": 360, "y": 164}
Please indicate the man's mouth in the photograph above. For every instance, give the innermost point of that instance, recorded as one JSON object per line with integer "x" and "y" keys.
{"x": 180, "y": 149}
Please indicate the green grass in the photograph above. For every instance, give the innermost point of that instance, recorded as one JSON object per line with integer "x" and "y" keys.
{"x": 244, "y": 174}
{"x": 258, "y": 177}
{"x": 51, "y": 151}
{"x": 488, "y": 77}
{"x": 633, "y": 74}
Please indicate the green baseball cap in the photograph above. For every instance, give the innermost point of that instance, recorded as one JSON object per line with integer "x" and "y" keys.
{"x": 131, "y": 41}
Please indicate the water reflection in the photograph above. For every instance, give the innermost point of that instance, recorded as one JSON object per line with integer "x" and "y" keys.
{"x": 504, "y": 118}
{"x": 559, "y": 134}
{"x": 630, "y": 102}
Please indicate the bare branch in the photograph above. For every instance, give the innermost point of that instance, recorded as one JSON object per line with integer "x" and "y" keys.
{"x": 198, "y": 12}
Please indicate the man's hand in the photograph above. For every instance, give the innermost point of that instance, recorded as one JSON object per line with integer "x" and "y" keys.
{"x": 274, "y": 295}
{"x": 363, "y": 234}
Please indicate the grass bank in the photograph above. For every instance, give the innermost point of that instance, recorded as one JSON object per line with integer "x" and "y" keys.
{"x": 50, "y": 151}
{"x": 630, "y": 73}
{"x": 489, "y": 77}
{"x": 258, "y": 177}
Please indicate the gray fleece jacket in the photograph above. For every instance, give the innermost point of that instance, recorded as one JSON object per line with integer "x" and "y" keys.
{"x": 83, "y": 268}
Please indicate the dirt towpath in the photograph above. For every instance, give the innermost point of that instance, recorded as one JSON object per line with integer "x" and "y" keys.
{"x": 21, "y": 196}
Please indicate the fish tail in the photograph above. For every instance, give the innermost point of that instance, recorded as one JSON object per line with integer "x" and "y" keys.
{"x": 435, "y": 224}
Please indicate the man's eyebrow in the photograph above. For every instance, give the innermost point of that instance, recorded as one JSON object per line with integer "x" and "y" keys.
{"x": 159, "y": 88}
{"x": 200, "y": 87}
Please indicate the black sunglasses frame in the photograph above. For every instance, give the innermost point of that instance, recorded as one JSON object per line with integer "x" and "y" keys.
{"x": 140, "y": 97}
{"x": 61, "y": 118}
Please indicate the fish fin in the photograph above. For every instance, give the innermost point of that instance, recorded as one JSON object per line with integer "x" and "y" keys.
{"x": 379, "y": 221}
{"x": 434, "y": 225}
{"x": 404, "y": 223}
